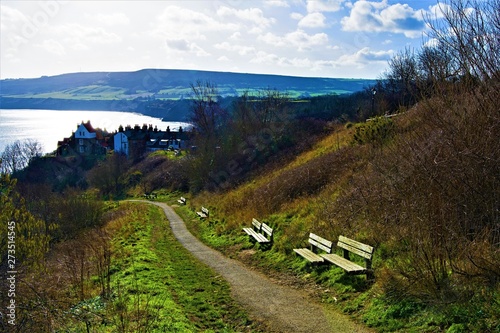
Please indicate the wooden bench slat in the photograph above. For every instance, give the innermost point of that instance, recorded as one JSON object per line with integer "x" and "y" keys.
{"x": 321, "y": 240}
{"x": 266, "y": 229}
{"x": 363, "y": 250}
{"x": 346, "y": 264}
{"x": 204, "y": 212}
{"x": 258, "y": 237}
{"x": 309, "y": 255}
{"x": 320, "y": 243}
{"x": 256, "y": 224}
{"x": 320, "y": 246}
{"x": 258, "y": 230}
{"x": 316, "y": 242}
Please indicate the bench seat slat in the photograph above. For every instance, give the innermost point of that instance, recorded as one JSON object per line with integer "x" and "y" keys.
{"x": 347, "y": 265}
{"x": 309, "y": 255}
{"x": 257, "y": 236}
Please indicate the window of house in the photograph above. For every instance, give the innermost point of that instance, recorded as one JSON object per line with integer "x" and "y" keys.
{"x": 81, "y": 142}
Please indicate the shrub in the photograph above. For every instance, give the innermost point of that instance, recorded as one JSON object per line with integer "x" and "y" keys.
{"x": 377, "y": 131}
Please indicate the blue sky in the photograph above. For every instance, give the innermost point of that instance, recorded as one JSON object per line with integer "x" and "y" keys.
{"x": 329, "y": 38}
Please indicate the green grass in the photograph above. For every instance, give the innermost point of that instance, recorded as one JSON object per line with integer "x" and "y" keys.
{"x": 157, "y": 286}
{"x": 93, "y": 92}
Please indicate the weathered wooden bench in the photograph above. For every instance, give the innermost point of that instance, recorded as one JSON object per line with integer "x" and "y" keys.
{"x": 351, "y": 246}
{"x": 316, "y": 242}
{"x": 182, "y": 201}
{"x": 204, "y": 213}
{"x": 260, "y": 232}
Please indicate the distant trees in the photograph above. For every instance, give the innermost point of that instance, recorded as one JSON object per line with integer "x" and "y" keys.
{"x": 18, "y": 155}
{"x": 108, "y": 175}
{"x": 231, "y": 140}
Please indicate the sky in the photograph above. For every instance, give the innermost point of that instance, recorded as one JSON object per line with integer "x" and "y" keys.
{"x": 311, "y": 38}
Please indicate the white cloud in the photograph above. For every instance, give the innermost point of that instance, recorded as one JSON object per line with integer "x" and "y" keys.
{"x": 10, "y": 18}
{"x": 240, "y": 49}
{"x": 111, "y": 19}
{"x": 298, "y": 39}
{"x": 371, "y": 16}
{"x": 276, "y": 3}
{"x": 324, "y": 5}
{"x": 363, "y": 57}
{"x": 252, "y": 15}
{"x": 78, "y": 34}
{"x": 52, "y": 46}
{"x": 223, "y": 59}
{"x": 235, "y": 36}
{"x": 313, "y": 20}
{"x": 296, "y": 16}
{"x": 433, "y": 42}
{"x": 179, "y": 22}
{"x": 437, "y": 11}
{"x": 183, "y": 45}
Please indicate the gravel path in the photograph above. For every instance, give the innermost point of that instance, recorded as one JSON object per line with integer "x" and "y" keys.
{"x": 280, "y": 308}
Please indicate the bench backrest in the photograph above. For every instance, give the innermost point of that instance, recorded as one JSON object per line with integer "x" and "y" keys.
{"x": 256, "y": 224}
{"x": 204, "y": 210}
{"x": 320, "y": 243}
{"x": 265, "y": 229}
{"x": 363, "y": 250}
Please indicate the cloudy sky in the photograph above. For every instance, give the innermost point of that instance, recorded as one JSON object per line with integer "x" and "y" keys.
{"x": 325, "y": 38}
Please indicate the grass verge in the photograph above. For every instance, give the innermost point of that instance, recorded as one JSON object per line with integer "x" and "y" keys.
{"x": 157, "y": 286}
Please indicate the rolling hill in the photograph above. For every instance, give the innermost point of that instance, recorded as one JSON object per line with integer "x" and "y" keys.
{"x": 153, "y": 91}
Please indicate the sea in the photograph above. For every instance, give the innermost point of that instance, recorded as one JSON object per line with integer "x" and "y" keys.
{"x": 50, "y": 126}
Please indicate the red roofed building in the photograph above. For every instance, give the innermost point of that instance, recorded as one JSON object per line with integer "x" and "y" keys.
{"x": 85, "y": 141}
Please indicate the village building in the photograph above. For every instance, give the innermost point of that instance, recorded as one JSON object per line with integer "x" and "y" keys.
{"x": 85, "y": 141}
{"x": 135, "y": 142}
{"x": 132, "y": 142}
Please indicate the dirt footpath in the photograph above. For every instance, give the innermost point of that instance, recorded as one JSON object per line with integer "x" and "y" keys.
{"x": 280, "y": 308}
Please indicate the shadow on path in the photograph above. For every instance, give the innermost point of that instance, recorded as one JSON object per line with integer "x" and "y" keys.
{"x": 280, "y": 308}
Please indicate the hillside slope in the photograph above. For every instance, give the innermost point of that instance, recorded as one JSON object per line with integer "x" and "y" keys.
{"x": 168, "y": 83}
{"x": 156, "y": 92}
{"x": 422, "y": 188}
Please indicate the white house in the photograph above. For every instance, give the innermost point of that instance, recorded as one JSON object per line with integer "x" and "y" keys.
{"x": 85, "y": 136}
{"x": 85, "y": 131}
{"x": 121, "y": 143}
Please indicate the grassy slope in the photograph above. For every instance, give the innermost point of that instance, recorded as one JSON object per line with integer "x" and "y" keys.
{"x": 277, "y": 196}
{"x": 157, "y": 286}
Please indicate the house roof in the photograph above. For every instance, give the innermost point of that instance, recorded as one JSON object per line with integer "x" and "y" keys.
{"x": 88, "y": 126}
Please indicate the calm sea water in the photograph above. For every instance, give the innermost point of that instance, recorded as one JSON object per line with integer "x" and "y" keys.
{"x": 49, "y": 126}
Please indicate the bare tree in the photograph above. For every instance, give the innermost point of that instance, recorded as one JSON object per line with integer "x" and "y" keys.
{"x": 18, "y": 155}
{"x": 470, "y": 30}
{"x": 207, "y": 114}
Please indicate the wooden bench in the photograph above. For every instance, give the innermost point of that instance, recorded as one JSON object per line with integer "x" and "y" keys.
{"x": 204, "y": 213}
{"x": 182, "y": 201}
{"x": 351, "y": 246}
{"x": 260, "y": 232}
{"x": 316, "y": 242}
